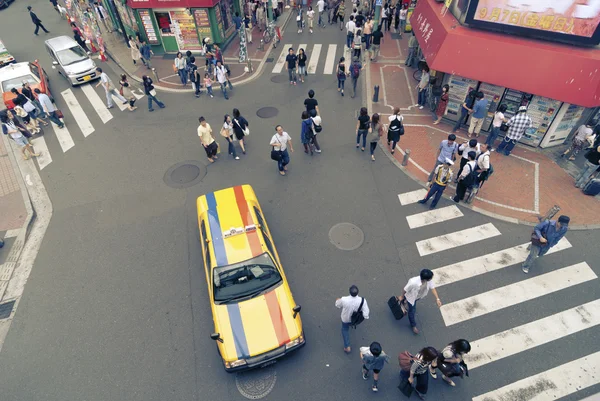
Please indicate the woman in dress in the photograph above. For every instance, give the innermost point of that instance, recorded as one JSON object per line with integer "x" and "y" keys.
{"x": 301, "y": 64}
{"x": 227, "y": 133}
{"x": 208, "y": 142}
{"x": 442, "y": 104}
{"x": 127, "y": 93}
{"x": 240, "y": 128}
{"x": 450, "y": 361}
{"x": 375, "y": 133}
{"x": 394, "y": 129}
{"x": 135, "y": 50}
{"x": 341, "y": 75}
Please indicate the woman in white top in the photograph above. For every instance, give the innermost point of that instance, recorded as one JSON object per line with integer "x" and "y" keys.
{"x": 135, "y": 50}
{"x": 496, "y": 123}
{"x": 180, "y": 66}
{"x": 310, "y": 14}
{"x": 403, "y": 13}
{"x": 395, "y": 129}
{"x": 11, "y": 129}
{"x": 227, "y": 133}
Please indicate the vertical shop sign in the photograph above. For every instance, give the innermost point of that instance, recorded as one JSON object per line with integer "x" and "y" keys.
{"x": 542, "y": 111}
{"x": 185, "y": 31}
{"x": 459, "y": 88}
{"x": 203, "y": 24}
{"x": 219, "y": 17}
{"x": 148, "y": 26}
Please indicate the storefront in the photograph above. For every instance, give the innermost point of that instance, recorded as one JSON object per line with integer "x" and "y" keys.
{"x": 560, "y": 84}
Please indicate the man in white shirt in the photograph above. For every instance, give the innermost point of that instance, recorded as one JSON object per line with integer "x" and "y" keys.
{"x": 483, "y": 164}
{"x": 280, "y": 142}
{"x": 350, "y": 304}
{"x": 580, "y": 140}
{"x": 350, "y": 28}
{"x": 103, "y": 15}
{"x": 321, "y": 9}
{"x": 417, "y": 288}
{"x": 109, "y": 89}
{"x": 48, "y": 107}
{"x": 466, "y": 179}
{"x": 221, "y": 77}
{"x": 465, "y": 148}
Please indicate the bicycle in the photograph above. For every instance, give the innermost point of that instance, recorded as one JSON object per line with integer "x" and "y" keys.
{"x": 272, "y": 33}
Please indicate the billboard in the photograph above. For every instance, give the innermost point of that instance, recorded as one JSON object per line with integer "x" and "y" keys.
{"x": 569, "y": 21}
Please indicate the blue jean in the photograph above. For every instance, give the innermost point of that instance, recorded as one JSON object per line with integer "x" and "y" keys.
{"x": 183, "y": 75}
{"x": 422, "y": 97}
{"x": 436, "y": 191}
{"x": 492, "y": 137}
{"x": 292, "y": 74}
{"x": 363, "y": 133}
{"x": 534, "y": 253}
{"x": 367, "y": 41}
{"x": 341, "y": 83}
{"x": 412, "y": 56}
{"x": 507, "y": 145}
{"x": 463, "y": 115}
{"x": 346, "y": 334}
{"x": 231, "y": 146}
{"x": 411, "y": 313}
{"x": 209, "y": 90}
{"x": 224, "y": 89}
{"x": 285, "y": 159}
{"x": 158, "y": 102}
{"x": 585, "y": 174}
{"x": 402, "y": 26}
{"x": 349, "y": 39}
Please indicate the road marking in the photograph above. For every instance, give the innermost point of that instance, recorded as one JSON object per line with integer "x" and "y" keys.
{"x": 433, "y": 216}
{"x": 412, "y": 197}
{"x": 330, "y": 60}
{"x": 314, "y": 59}
{"x": 457, "y": 238}
{"x": 526, "y": 290}
{"x": 138, "y": 96}
{"x": 64, "y": 137}
{"x": 493, "y": 261}
{"x": 118, "y": 102}
{"x": 39, "y": 146}
{"x": 281, "y": 60}
{"x": 97, "y": 103}
{"x": 78, "y": 114}
{"x": 552, "y": 384}
{"x": 533, "y": 334}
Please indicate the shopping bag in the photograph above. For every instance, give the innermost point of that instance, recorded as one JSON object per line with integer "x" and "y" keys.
{"x": 59, "y": 114}
{"x": 405, "y": 387}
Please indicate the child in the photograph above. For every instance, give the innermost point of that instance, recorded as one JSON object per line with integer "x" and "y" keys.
{"x": 208, "y": 84}
{"x": 30, "y": 124}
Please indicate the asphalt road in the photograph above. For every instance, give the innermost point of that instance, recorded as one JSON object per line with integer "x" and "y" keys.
{"x": 116, "y": 306}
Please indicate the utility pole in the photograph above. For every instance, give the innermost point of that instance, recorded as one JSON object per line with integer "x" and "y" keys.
{"x": 378, "y": 4}
{"x": 243, "y": 44}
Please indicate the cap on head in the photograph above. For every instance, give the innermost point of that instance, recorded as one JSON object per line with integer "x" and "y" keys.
{"x": 564, "y": 220}
{"x": 353, "y": 290}
{"x": 523, "y": 108}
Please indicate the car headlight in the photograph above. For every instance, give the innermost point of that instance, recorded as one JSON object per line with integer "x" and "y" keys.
{"x": 235, "y": 364}
{"x": 295, "y": 342}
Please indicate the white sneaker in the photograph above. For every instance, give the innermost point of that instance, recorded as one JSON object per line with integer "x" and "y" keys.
{"x": 420, "y": 107}
{"x": 318, "y": 150}
{"x": 416, "y": 105}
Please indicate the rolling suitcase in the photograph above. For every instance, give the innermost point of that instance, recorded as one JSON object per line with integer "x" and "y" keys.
{"x": 592, "y": 188}
{"x": 398, "y": 308}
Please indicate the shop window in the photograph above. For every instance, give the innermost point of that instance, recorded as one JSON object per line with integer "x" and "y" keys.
{"x": 226, "y": 13}
{"x": 164, "y": 22}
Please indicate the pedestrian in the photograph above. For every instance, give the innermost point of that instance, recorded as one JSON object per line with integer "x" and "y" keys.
{"x": 447, "y": 150}
{"x": 478, "y": 115}
{"x": 517, "y": 126}
{"x": 109, "y": 89}
{"x": 150, "y": 92}
{"x": 442, "y": 104}
{"x": 397, "y": 9}
{"x": 80, "y": 41}
{"x": 302, "y": 64}
{"x": 545, "y": 235}
{"x": 248, "y": 27}
{"x": 355, "y": 70}
{"x": 496, "y": 126}
{"x": 321, "y": 9}
{"x": 375, "y": 134}
{"x": 463, "y": 150}
{"x": 580, "y": 140}
{"x": 359, "y": 20}
{"x": 310, "y": 15}
{"x": 103, "y": 16}
{"x": 373, "y": 358}
{"x": 311, "y": 103}
{"x": 279, "y": 148}
{"x": 299, "y": 20}
{"x": 350, "y": 29}
{"x": 10, "y": 115}
{"x": 351, "y": 304}
{"x": 180, "y": 67}
{"x": 211, "y": 147}
{"x": 208, "y": 84}
{"x": 451, "y": 361}
{"x": 260, "y": 18}
{"x": 146, "y": 53}
{"x": 413, "y": 50}
{"x": 30, "y": 125}
{"x": 36, "y": 21}
{"x": 237, "y": 20}
{"x": 357, "y": 44}
{"x": 362, "y": 128}
{"x": 465, "y": 109}
{"x": 385, "y": 22}
{"x": 483, "y": 167}
{"x": 442, "y": 176}
{"x": 9, "y": 128}
{"x": 135, "y": 50}
{"x": 418, "y": 366}
{"x": 341, "y": 14}
{"x": 592, "y": 164}
{"x": 377, "y": 38}
{"x": 208, "y": 48}
{"x": 48, "y": 108}
{"x": 422, "y": 87}
{"x": 227, "y": 133}
{"x": 403, "y": 14}
{"x": 29, "y": 106}
{"x": 221, "y": 78}
{"x": 194, "y": 76}
{"x": 291, "y": 60}
{"x": 240, "y": 128}
{"x": 368, "y": 33}
{"x": 27, "y": 91}
{"x": 395, "y": 129}
{"x": 317, "y": 127}
{"x": 341, "y": 75}
{"x": 126, "y": 92}
{"x": 307, "y": 133}
{"x": 416, "y": 289}
{"x": 467, "y": 178}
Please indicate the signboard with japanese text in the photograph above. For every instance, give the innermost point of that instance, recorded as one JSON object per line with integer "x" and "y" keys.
{"x": 569, "y": 21}
{"x": 567, "y": 124}
{"x": 542, "y": 111}
{"x": 459, "y": 88}
{"x": 148, "y": 26}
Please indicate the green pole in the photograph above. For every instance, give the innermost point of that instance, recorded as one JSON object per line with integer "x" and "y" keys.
{"x": 270, "y": 11}
{"x": 377, "y": 13}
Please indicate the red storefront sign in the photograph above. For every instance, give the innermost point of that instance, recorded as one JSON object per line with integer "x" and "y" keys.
{"x": 171, "y": 3}
{"x": 562, "y": 72}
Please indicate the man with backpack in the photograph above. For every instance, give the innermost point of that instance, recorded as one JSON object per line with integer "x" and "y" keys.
{"x": 354, "y": 311}
{"x": 355, "y": 69}
{"x": 467, "y": 178}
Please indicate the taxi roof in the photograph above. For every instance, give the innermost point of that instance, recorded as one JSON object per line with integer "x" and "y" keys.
{"x": 15, "y": 71}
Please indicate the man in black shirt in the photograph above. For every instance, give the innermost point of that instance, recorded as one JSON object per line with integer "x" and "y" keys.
{"x": 311, "y": 103}
{"x": 290, "y": 60}
{"x": 377, "y": 38}
{"x": 466, "y": 107}
{"x": 360, "y": 19}
{"x": 37, "y": 22}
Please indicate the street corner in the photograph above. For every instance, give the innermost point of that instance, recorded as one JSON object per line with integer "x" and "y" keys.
{"x": 395, "y": 89}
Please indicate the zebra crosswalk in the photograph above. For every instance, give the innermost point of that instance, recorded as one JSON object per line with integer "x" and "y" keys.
{"x": 510, "y": 342}
{"x": 315, "y": 65}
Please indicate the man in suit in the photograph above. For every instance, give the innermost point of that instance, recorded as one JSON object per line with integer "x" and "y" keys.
{"x": 36, "y": 21}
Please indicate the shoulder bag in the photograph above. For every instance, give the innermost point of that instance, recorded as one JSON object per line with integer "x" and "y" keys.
{"x": 276, "y": 155}
{"x": 246, "y": 130}
{"x": 357, "y": 316}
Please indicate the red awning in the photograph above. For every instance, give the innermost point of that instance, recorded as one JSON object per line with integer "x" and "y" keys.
{"x": 171, "y": 3}
{"x": 561, "y": 72}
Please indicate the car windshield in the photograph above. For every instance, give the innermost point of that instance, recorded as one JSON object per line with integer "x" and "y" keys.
{"x": 245, "y": 279}
{"x": 71, "y": 56}
{"x": 17, "y": 82}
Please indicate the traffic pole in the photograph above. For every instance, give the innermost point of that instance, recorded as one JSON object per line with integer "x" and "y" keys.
{"x": 378, "y": 4}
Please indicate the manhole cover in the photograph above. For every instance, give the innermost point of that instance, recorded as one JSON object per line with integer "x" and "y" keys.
{"x": 185, "y": 174}
{"x": 267, "y": 112}
{"x": 346, "y": 236}
{"x": 256, "y": 384}
{"x": 279, "y": 78}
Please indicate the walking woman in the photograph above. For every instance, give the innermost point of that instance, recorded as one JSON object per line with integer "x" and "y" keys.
{"x": 395, "y": 129}
{"x": 240, "y": 128}
{"x": 341, "y": 14}
{"x": 375, "y": 133}
{"x": 135, "y": 50}
{"x": 180, "y": 66}
{"x": 496, "y": 124}
{"x": 301, "y": 64}
{"x": 10, "y": 128}
{"x": 442, "y": 104}
{"x": 151, "y": 93}
{"x": 28, "y": 106}
{"x": 127, "y": 93}
{"x": 450, "y": 362}
{"x": 357, "y": 44}
{"x": 362, "y": 128}
{"x": 227, "y": 133}
{"x": 418, "y": 370}
{"x": 210, "y": 146}
{"x": 341, "y": 74}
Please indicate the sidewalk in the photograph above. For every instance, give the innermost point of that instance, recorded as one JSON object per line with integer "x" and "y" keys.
{"x": 525, "y": 184}
{"x": 167, "y": 80}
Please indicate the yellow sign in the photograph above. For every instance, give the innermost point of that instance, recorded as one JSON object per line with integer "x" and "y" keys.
{"x": 447, "y": 3}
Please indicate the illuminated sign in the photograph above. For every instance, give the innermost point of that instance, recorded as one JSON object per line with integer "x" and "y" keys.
{"x": 571, "y": 21}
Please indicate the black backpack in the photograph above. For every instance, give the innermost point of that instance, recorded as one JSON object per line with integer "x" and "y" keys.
{"x": 357, "y": 317}
{"x": 396, "y": 126}
{"x": 469, "y": 180}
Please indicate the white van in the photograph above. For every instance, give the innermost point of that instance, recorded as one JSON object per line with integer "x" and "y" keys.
{"x": 5, "y": 56}
{"x": 71, "y": 60}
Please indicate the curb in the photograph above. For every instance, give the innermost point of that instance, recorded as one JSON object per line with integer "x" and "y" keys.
{"x": 255, "y": 74}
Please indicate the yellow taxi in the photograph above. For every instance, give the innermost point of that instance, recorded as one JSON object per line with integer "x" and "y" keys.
{"x": 255, "y": 317}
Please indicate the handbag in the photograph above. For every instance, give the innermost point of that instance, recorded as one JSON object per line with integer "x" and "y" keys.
{"x": 535, "y": 240}
{"x": 276, "y": 154}
{"x": 405, "y": 387}
{"x": 59, "y": 114}
{"x": 29, "y": 107}
{"x": 246, "y": 130}
{"x": 503, "y": 127}
{"x": 152, "y": 92}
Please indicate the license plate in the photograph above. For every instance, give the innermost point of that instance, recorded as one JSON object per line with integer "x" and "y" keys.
{"x": 87, "y": 77}
{"x": 268, "y": 363}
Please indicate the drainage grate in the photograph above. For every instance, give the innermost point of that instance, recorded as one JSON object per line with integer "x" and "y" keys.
{"x": 270, "y": 59}
{"x": 6, "y": 309}
{"x": 267, "y": 112}
{"x": 185, "y": 174}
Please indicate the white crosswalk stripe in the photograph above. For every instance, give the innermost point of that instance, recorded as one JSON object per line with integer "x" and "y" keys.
{"x": 39, "y": 146}
{"x": 97, "y": 103}
{"x": 552, "y": 384}
{"x": 455, "y": 239}
{"x": 281, "y": 60}
{"x": 314, "y": 53}
{"x": 330, "y": 60}
{"x": 412, "y": 197}
{"x": 433, "y": 216}
{"x": 78, "y": 114}
{"x": 503, "y": 297}
{"x": 314, "y": 59}
{"x": 64, "y": 137}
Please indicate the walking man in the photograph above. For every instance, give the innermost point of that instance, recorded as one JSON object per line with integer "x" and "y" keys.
{"x": 443, "y": 175}
{"x": 103, "y": 15}
{"x": 373, "y": 358}
{"x": 36, "y": 21}
{"x": 109, "y": 89}
{"x": 221, "y": 77}
{"x": 311, "y": 103}
{"x": 350, "y": 28}
{"x": 448, "y": 149}
{"x": 517, "y": 126}
{"x": 350, "y": 304}
{"x": 548, "y": 233}
{"x": 48, "y": 107}
{"x": 416, "y": 289}
{"x": 465, "y": 109}
{"x": 479, "y": 113}
{"x": 355, "y": 69}
{"x": 321, "y": 9}
{"x": 147, "y": 53}
{"x": 290, "y": 61}
{"x": 280, "y": 142}
{"x": 375, "y": 46}
{"x": 467, "y": 178}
